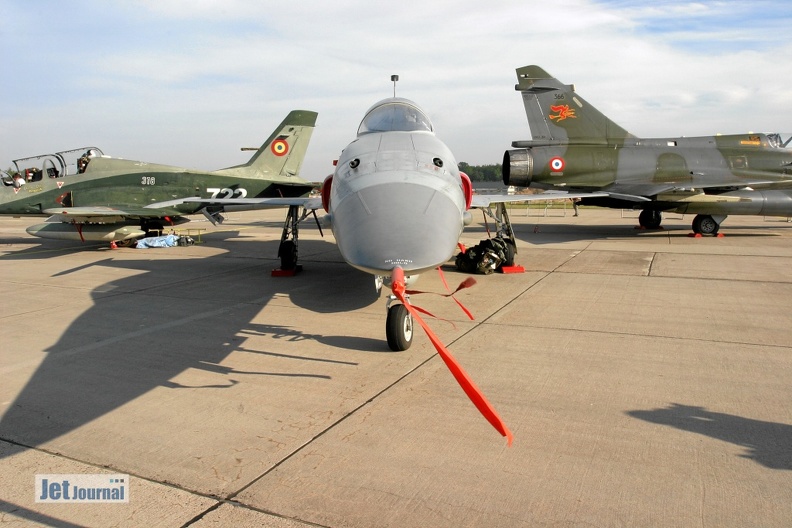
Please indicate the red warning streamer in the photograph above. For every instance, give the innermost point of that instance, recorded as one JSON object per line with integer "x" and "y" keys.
{"x": 473, "y": 392}
{"x": 467, "y": 283}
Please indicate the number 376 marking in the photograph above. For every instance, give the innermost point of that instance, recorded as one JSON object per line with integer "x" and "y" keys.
{"x": 227, "y": 193}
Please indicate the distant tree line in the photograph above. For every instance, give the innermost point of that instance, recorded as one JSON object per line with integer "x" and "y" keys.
{"x": 482, "y": 172}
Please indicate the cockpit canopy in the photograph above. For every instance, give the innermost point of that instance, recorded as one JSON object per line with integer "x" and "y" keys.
{"x": 778, "y": 141}
{"x": 395, "y": 114}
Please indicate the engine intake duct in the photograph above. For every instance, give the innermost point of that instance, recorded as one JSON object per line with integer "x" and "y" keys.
{"x": 517, "y": 167}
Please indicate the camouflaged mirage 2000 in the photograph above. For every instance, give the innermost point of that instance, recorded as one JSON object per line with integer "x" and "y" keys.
{"x": 574, "y": 147}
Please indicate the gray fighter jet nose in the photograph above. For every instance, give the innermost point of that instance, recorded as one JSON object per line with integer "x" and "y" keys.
{"x": 410, "y": 225}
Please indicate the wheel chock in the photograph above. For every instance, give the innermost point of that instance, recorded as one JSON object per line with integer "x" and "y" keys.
{"x": 512, "y": 269}
{"x": 286, "y": 273}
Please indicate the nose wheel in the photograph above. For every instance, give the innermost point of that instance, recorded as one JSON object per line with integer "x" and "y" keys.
{"x": 399, "y": 328}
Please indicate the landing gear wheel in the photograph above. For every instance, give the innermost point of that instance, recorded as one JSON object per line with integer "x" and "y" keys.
{"x": 705, "y": 225}
{"x": 126, "y": 243}
{"x": 650, "y": 219}
{"x": 288, "y": 254}
{"x": 399, "y": 328}
{"x": 511, "y": 250}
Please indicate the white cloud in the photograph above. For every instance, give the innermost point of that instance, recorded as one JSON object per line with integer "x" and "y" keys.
{"x": 188, "y": 83}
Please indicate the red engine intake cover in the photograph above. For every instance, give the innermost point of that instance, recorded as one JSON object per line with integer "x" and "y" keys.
{"x": 326, "y": 185}
{"x": 467, "y": 188}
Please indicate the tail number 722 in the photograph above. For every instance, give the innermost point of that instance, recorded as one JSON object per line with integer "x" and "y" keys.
{"x": 227, "y": 193}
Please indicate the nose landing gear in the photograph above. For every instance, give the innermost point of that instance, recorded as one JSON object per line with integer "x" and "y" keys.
{"x": 398, "y": 326}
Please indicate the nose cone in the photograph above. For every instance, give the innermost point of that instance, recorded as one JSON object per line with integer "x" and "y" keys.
{"x": 411, "y": 225}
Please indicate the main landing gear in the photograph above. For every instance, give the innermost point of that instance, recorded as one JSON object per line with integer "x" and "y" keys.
{"x": 287, "y": 250}
{"x": 703, "y": 224}
{"x": 706, "y": 224}
{"x": 495, "y": 253}
{"x": 650, "y": 219}
{"x": 503, "y": 230}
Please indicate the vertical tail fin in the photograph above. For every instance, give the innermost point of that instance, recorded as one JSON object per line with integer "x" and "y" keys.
{"x": 281, "y": 156}
{"x": 556, "y": 112}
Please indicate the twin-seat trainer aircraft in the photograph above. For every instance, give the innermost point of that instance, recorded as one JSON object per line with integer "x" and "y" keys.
{"x": 574, "y": 147}
{"x": 92, "y": 197}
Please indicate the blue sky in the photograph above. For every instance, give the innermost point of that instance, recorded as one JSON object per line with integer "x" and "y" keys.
{"x": 711, "y": 27}
{"x": 190, "y": 82}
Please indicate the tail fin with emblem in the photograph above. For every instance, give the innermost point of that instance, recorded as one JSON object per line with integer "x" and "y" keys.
{"x": 556, "y": 113}
{"x": 281, "y": 156}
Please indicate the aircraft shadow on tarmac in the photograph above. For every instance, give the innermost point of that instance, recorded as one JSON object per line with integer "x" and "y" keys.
{"x": 552, "y": 233}
{"x": 768, "y": 443}
{"x": 33, "y": 516}
{"x": 542, "y": 233}
{"x": 536, "y": 230}
{"x": 139, "y": 333}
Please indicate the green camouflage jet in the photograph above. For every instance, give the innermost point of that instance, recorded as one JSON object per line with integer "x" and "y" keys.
{"x": 90, "y": 196}
{"x": 576, "y": 148}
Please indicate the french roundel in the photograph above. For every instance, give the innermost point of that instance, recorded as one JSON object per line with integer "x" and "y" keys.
{"x": 557, "y": 164}
{"x": 279, "y": 147}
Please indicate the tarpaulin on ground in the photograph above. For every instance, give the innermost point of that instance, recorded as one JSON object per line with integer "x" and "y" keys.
{"x": 158, "y": 242}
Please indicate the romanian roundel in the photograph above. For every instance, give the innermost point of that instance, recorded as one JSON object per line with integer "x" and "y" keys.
{"x": 279, "y": 147}
{"x": 557, "y": 164}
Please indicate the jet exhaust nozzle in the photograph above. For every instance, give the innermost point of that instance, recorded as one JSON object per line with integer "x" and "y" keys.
{"x": 517, "y": 167}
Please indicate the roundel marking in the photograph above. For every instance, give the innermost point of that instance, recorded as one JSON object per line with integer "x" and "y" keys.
{"x": 279, "y": 147}
{"x": 557, "y": 164}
